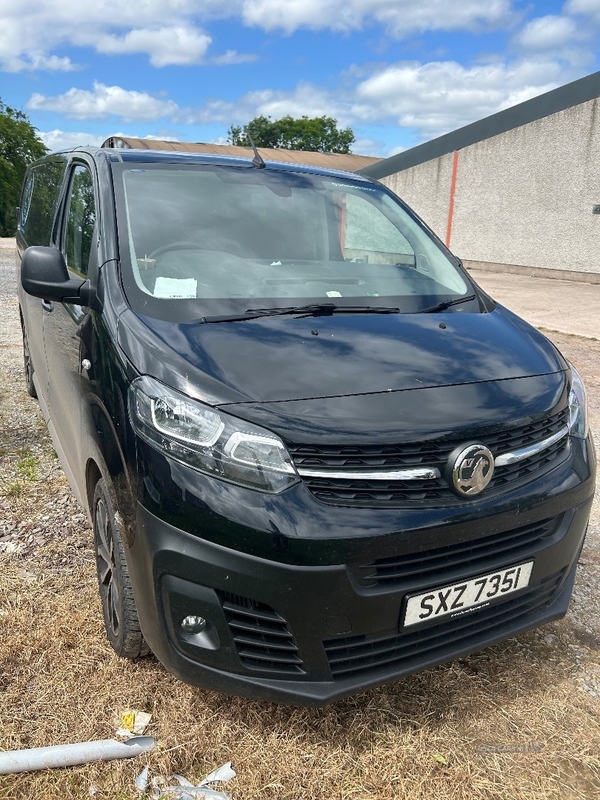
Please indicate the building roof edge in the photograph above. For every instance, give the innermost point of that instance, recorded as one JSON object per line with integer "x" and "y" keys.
{"x": 571, "y": 94}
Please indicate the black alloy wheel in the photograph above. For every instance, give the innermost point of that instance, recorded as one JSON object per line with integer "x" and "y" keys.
{"x": 118, "y": 604}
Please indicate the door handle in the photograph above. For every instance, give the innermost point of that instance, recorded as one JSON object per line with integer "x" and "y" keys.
{"x": 47, "y": 305}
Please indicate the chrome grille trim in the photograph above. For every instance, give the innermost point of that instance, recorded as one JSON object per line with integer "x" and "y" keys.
{"x": 420, "y": 474}
{"x": 532, "y": 450}
{"x": 364, "y": 475}
{"x": 432, "y": 473}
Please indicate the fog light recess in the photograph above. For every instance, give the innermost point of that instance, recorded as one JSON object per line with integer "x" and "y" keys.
{"x": 193, "y": 624}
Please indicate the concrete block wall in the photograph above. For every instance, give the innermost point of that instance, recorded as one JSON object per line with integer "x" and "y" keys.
{"x": 523, "y": 197}
{"x": 426, "y": 189}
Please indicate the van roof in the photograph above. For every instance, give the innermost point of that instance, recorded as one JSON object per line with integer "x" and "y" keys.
{"x": 346, "y": 162}
{"x": 175, "y": 157}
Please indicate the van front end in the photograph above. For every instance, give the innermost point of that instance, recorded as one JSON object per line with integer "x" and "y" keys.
{"x": 341, "y": 582}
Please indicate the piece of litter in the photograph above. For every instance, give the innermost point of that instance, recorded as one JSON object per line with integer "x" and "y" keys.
{"x": 179, "y": 788}
{"x": 220, "y": 775}
{"x": 133, "y": 723}
{"x": 10, "y": 548}
{"x": 276, "y": 263}
{"x": 141, "y": 782}
{"x": 69, "y": 755}
{"x": 333, "y": 294}
{"x": 127, "y": 720}
{"x": 142, "y": 720}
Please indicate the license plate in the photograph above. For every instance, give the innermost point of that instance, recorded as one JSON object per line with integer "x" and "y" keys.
{"x": 457, "y": 598}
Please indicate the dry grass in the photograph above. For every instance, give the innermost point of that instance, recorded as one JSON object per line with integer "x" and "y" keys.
{"x": 60, "y": 682}
{"x": 419, "y": 738}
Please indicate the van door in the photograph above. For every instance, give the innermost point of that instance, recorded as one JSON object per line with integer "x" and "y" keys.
{"x": 65, "y": 325}
{"x": 37, "y": 226}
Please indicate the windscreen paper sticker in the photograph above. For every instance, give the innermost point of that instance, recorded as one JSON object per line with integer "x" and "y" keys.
{"x": 172, "y": 288}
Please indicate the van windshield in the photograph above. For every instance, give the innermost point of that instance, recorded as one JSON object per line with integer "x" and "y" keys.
{"x": 212, "y": 239}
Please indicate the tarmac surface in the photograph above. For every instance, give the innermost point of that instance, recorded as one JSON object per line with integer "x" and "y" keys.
{"x": 548, "y": 303}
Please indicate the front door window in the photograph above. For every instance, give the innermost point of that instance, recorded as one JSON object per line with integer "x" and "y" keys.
{"x": 81, "y": 219}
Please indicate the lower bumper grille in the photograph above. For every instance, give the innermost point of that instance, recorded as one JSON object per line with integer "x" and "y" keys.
{"x": 356, "y": 654}
{"x": 261, "y": 635}
{"x": 513, "y": 544}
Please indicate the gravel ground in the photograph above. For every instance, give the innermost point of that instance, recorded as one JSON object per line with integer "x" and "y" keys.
{"x": 28, "y": 518}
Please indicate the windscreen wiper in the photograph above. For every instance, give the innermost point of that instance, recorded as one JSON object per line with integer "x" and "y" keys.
{"x": 312, "y": 310}
{"x": 446, "y": 304}
{"x": 325, "y": 310}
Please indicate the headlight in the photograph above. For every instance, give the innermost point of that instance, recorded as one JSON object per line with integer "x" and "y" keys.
{"x": 209, "y": 440}
{"x": 578, "y": 424}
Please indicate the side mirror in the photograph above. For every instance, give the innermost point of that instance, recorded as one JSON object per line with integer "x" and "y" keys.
{"x": 44, "y": 274}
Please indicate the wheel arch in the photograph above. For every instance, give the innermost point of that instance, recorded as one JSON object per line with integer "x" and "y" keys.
{"x": 107, "y": 460}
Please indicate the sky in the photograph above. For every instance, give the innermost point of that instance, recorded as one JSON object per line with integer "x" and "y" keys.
{"x": 398, "y": 72}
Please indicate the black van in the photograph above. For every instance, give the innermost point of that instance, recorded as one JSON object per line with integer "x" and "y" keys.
{"x": 316, "y": 455}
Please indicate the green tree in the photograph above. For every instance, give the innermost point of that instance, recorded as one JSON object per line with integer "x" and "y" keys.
{"x": 318, "y": 134}
{"x": 19, "y": 146}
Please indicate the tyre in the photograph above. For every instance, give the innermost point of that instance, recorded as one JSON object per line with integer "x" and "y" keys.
{"x": 29, "y": 384}
{"x": 118, "y": 605}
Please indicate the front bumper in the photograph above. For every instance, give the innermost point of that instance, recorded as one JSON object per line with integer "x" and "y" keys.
{"x": 310, "y": 634}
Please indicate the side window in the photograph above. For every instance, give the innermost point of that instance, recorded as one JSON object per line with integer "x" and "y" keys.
{"x": 26, "y": 200}
{"x": 370, "y": 237}
{"x": 80, "y": 221}
{"x": 39, "y": 200}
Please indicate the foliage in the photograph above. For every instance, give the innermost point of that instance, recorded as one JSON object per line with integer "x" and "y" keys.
{"x": 19, "y": 146}
{"x": 317, "y": 134}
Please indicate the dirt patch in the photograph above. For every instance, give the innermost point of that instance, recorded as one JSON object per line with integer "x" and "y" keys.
{"x": 518, "y": 720}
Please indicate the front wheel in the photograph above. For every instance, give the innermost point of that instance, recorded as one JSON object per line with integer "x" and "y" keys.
{"x": 118, "y": 604}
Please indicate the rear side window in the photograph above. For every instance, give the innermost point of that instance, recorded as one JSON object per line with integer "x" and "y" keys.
{"x": 38, "y": 204}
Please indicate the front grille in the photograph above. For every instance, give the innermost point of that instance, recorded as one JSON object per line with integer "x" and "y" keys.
{"x": 261, "y": 635}
{"x": 513, "y": 545}
{"x": 360, "y": 654}
{"x": 427, "y": 493}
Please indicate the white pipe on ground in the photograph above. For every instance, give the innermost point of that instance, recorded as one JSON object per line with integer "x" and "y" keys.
{"x": 69, "y": 755}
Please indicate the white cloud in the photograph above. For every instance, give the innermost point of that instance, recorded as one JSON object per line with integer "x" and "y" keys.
{"x": 154, "y": 137}
{"x": 65, "y": 140}
{"x": 430, "y": 99}
{"x": 591, "y": 7}
{"x": 306, "y": 99}
{"x": 31, "y": 30}
{"x": 166, "y": 46}
{"x": 547, "y": 33}
{"x": 400, "y": 17}
{"x": 105, "y": 101}
{"x": 233, "y": 57}
{"x": 368, "y": 147}
{"x": 393, "y": 151}
{"x": 440, "y": 96}
{"x": 36, "y": 61}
